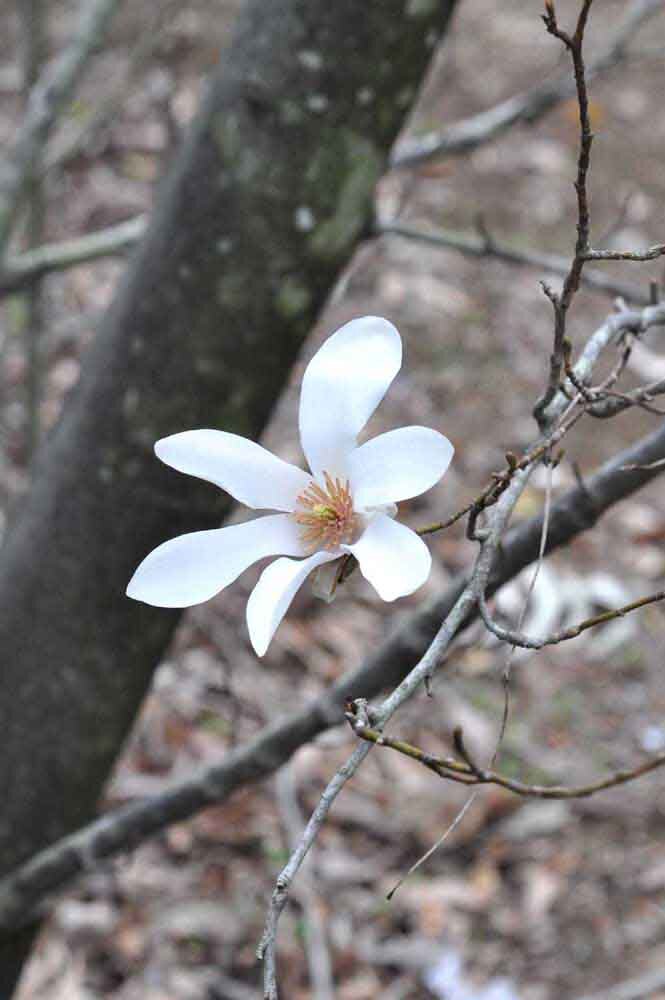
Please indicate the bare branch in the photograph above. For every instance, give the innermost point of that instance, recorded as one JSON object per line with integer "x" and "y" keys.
{"x": 152, "y": 33}
{"x": 618, "y": 402}
{"x": 468, "y": 134}
{"x": 583, "y": 252}
{"x": 505, "y": 675}
{"x": 433, "y": 658}
{"x": 33, "y": 17}
{"x": 267, "y": 950}
{"x": 27, "y": 267}
{"x": 651, "y": 253}
{"x": 318, "y": 956}
{"x": 659, "y": 464}
{"x": 561, "y": 302}
{"x": 436, "y": 654}
{"x": 47, "y": 99}
{"x": 517, "y": 638}
{"x": 491, "y": 247}
{"x": 635, "y": 321}
{"x": 575, "y": 511}
{"x": 501, "y": 480}
{"x": 435, "y": 847}
{"x": 424, "y": 668}
{"x": 467, "y": 771}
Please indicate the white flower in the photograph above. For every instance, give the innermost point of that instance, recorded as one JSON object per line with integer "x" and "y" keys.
{"x": 344, "y": 505}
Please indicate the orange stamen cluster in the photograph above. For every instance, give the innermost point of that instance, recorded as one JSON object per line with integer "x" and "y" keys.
{"x": 326, "y": 517}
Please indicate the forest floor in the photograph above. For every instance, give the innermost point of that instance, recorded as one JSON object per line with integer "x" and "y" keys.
{"x": 527, "y": 900}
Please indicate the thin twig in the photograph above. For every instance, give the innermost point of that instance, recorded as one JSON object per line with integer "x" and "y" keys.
{"x": 594, "y": 396}
{"x": 642, "y": 404}
{"x": 458, "y": 734}
{"x": 25, "y": 268}
{"x": 49, "y": 96}
{"x": 635, "y": 321}
{"x": 651, "y": 253}
{"x": 152, "y": 34}
{"x": 425, "y": 668}
{"x": 468, "y": 134}
{"x": 649, "y": 466}
{"x": 580, "y": 386}
{"x": 318, "y": 955}
{"x": 547, "y": 509}
{"x": 626, "y": 344}
{"x": 33, "y": 15}
{"x": 501, "y": 480}
{"x": 482, "y": 248}
{"x": 561, "y": 302}
{"x": 618, "y": 402}
{"x": 583, "y": 251}
{"x": 468, "y": 772}
{"x": 517, "y": 638}
{"x": 450, "y": 829}
{"x": 267, "y": 950}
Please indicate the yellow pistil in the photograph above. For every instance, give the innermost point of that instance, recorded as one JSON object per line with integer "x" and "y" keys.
{"x": 326, "y": 515}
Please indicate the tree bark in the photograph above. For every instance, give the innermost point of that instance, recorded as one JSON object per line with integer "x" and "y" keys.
{"x": 264, "y": 205}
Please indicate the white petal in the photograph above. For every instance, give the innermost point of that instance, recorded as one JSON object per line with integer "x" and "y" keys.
{"x": 272, "y": 595}
{"x": 395, "y": 466}
{"x": 193, "y": 568}
{"x": 394, "y": 559}
{"x": 243, "y": 468}
{"x": 342, "y": 386}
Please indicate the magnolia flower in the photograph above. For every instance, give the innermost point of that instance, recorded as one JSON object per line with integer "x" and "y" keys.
{"x": 346, "y": 504}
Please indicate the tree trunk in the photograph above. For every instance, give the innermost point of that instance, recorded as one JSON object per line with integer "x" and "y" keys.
{"x": 263, "y": 207}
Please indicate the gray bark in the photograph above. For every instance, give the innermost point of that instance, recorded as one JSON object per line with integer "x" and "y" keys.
{"x": 213, "y": 309}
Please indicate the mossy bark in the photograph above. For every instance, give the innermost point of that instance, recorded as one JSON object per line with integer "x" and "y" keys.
{"x": 262, "y": 209}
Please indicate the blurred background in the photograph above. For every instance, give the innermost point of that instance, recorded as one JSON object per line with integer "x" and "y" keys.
{"x": 527, "y": 900}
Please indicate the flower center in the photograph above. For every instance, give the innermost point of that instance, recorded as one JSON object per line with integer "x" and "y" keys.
{"x": 326, "y": 515}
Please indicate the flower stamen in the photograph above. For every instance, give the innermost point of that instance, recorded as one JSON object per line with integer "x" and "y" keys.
{"x": 326, "y": 515}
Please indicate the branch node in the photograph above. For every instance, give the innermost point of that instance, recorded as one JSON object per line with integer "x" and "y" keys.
{"x": 463, "y": 752}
